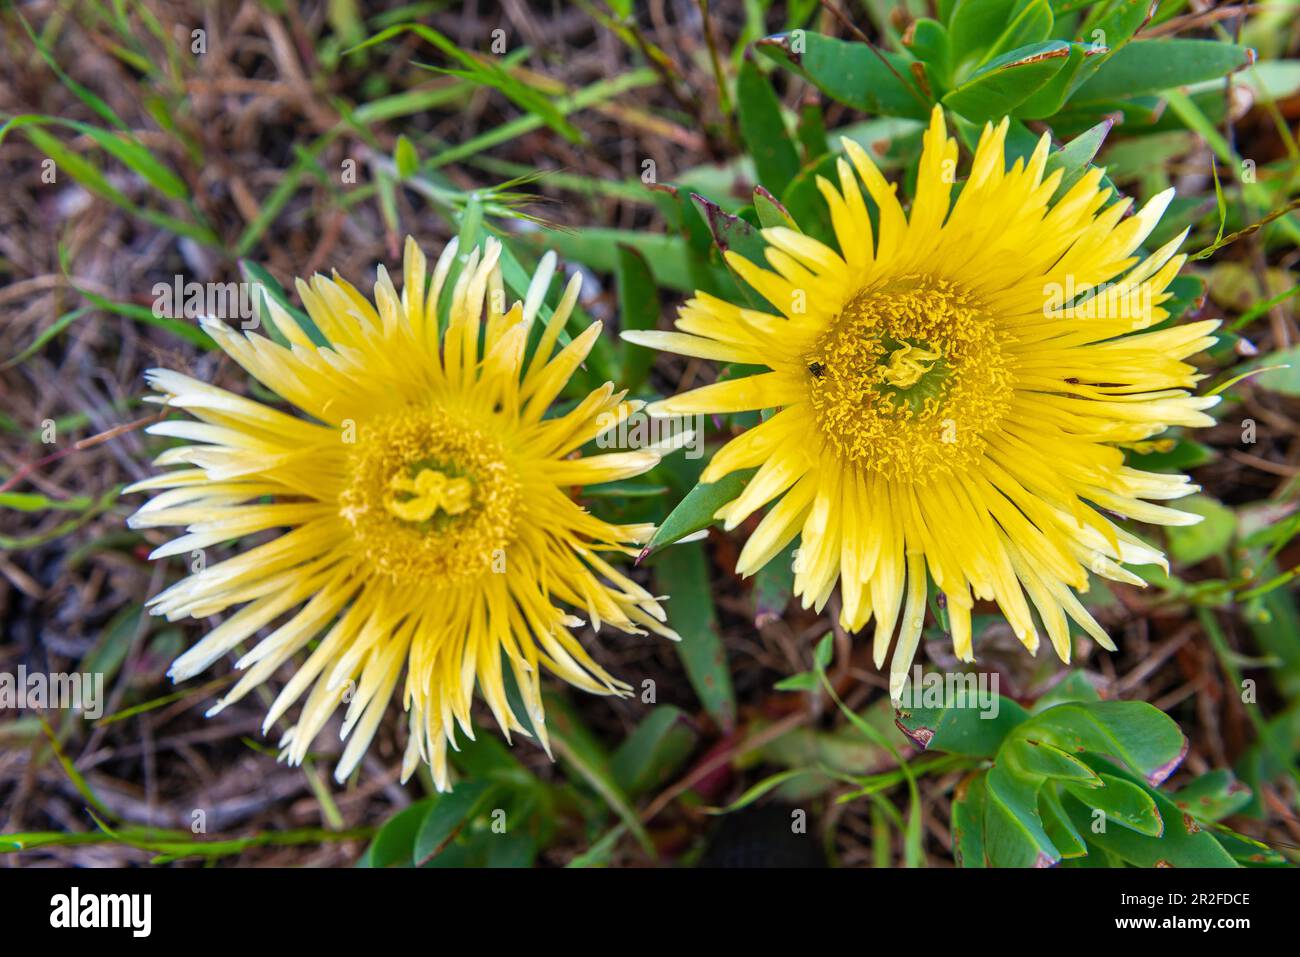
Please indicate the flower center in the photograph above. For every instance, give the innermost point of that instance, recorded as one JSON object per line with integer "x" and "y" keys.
{"x": 430, "y": 498}
{"x": 910, "y": 378}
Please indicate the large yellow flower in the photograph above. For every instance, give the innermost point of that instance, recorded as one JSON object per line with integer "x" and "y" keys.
{"x": 948, "y": 409}
{"x": 424, "y": 492}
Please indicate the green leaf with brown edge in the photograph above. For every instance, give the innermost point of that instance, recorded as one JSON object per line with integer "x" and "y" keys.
{"x": 1123, "y": 802}
{"x": 1033, "y": 758}
{"x": 1149, "y": 66}
{"x": 870, "y": 80}
{"x": 771, "y": 212}
{"x": 994, "y": 90}
{"x": 1143, "y": 737}
{"x": 683, "y": 573}
{"x": 1213, "y": 796}
{"x": 961, "y": 730}
{"x": 982, "y": 30}
{"x": 732, "y": 234}
{"x": 1181, "y": 844}
{"x": 1043, "y": 103}
{"x": 1014, "y": 835}
{"x": 1060, "y": 829}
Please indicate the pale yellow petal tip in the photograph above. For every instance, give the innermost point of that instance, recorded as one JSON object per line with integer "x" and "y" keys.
{"x": 638, "y": 337}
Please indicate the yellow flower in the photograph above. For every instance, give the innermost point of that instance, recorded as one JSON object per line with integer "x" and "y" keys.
{"x": 424, "y": 494}
{"x": 948, "y": 408}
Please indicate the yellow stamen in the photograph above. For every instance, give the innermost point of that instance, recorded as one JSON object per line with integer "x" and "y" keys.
{"x": 910, "y": 379}
{"x": 430, "y": 490}
{"x": 904, "y": 369}
{"x": 432, "y": 497}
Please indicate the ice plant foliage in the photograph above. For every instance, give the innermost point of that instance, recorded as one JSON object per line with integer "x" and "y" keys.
{"x": 424, "y": 498}
{"x": 943, "y": 411}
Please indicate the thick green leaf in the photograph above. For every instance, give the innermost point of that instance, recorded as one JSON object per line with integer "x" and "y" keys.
{"x": 638, "y": 302}
{"x": 1182, "y": 455}
{"x": 598, "y": 247}
{"x": 1144, "y": 738}
{"x": 731, "y": 233}
{"x": 806, "y": 204}
{"x": 961, "y": 730}
{"x": 1060, "y": 829}
{"x": 449, "y": 813}
{"x": 1189, "y": 544}
{"x": 968, "y": 808}
{"x": 695, "y": 512}
{"x": 763, "y": 129}
{"x": 1282, "y": 371}
{"x": 653, "y": 751}
{"x": 928, "y": 41}
{"x": 771, "y": 212}
{"x": 1149, "y": 66}
{"x": 1213, "y": 796}
{"x": 1075, "y": 686}
{"x": 1074, "y": 158}
{"x": 981, "y": 30}
{"x": 1182, "y": 843}
{"x": 1051, "y": 96}
{"x": 395, "y": 842}
{"x": 1001, "y": 84}
{"x": 1014, "y": 835}
{"x": 683, "y": 573}
{"x": 1033, "y": 758}
{"x": 872, "y": 81}
{"x": 1246, "y": 851}
{"x": 1123, "y": 803}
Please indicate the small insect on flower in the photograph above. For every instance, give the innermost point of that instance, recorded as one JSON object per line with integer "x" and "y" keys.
{"x": 955, "y": 390}
{"x": 425, "y": 498}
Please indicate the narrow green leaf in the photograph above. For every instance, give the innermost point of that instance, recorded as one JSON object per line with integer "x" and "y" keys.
{"x": 580, "y": 752}
{"x": 683, "y": 573}
{"x": 638, "y": 301}
{"x": 763, "y": 129}
{"x": 654, "y": 750}
{"x": 695, "y": 512}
